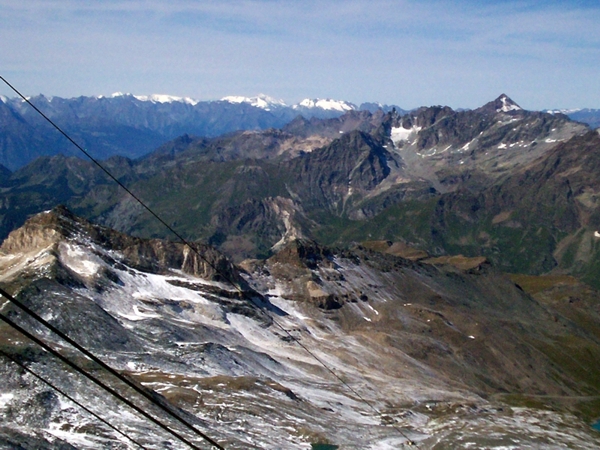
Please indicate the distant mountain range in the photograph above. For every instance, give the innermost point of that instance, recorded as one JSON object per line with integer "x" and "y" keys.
{"x": 132, "y": 126}
{"x": 585, "y": 115}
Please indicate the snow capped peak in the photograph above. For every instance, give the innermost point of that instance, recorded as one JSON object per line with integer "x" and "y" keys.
{"x": 563, "y": 111}
{"x": 326, "y": 104}
{"x": 267, "y": 103}
{"x": 3, "y": 99}
{"x": 154, "y": 98}
{"x": 162, "y": 98}
{"x": 260, "y": 101}
{"x": 506, "y": 104}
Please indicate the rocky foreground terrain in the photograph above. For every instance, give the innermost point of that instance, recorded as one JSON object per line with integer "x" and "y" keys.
{"x": 433, "y": 352}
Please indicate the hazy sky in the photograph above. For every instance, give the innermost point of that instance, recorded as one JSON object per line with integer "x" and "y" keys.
{"x": 543, "y": 54}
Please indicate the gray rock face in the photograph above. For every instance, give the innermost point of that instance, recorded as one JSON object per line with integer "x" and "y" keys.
{"x": 156, "y": 256}
{"x": 472, "y": 149}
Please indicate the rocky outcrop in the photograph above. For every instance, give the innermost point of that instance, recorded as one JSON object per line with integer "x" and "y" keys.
{"x": 153, "y": 255}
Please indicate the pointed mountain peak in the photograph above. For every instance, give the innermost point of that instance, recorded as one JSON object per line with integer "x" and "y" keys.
{"x": 45, "y": 228}
{"x": 502, "y": 104}
{"x": 505, "y": 104}
{"x": 52, "y": 233}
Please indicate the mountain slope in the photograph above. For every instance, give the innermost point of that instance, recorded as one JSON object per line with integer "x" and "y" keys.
{"x": 445, "y": 146}
{"x": 585, "y": 115}
{"x": 434, "y": 348}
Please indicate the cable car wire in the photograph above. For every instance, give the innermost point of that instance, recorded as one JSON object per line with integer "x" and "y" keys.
{"x": 64, "y": 394}
{"x": 103, "y": 385}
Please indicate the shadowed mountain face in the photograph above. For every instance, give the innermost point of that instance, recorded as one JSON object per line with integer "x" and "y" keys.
{"x": 442, "y": 349}
{"x": 122, "y": 125}
{"x": 475, "y": 182}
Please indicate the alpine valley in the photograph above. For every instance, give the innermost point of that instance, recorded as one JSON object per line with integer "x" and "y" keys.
{"x": 360, "y": 277}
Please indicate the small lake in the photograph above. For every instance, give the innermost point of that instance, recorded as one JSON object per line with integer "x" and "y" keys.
{"x": 596, "y": 426}
{"x": 323, "y": 447}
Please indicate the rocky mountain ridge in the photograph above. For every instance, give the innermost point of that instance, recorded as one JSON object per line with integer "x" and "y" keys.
{"x": 435, "y": 178}
{"x": 590, "y": 116}
{"x": 440, "y": 352}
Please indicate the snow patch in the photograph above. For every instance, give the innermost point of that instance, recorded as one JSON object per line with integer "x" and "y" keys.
{"x": 81, "y": 440}
{"x": 402, "y": 134}
{"x": 465, "y": 147}
{"x": 562, "y": 111}
{"x": 597, "y": 234}
{"x": 5, "y": 399}
{"x": 79, "y": 259}
{"x": 154, "y": 98}
{"x": 162, "y": 98}
{"x": 373, "y": 309}
{"x": 139, "y": 315}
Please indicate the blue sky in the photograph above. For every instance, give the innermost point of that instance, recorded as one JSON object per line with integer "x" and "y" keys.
{"x": 543, "y": 54}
